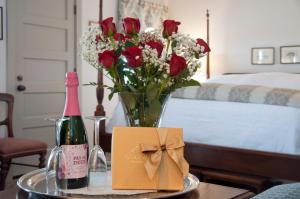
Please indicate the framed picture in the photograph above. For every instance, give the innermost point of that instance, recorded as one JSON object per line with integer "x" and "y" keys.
{"x": 263, "y": 56}
{"x": 290, "y": 54}
{"x": 1, "y": 23}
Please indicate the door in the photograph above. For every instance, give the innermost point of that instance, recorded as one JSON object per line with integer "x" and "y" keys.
{"x": 40, "y": 52}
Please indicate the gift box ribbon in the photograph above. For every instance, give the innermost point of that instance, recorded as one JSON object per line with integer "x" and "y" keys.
{"x": 167, "y": 145}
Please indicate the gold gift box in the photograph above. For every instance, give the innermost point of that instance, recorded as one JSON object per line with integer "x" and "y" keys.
{"x": 148, "y": 158}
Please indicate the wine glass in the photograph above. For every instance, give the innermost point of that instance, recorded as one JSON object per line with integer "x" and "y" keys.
{"x": 57, "y": 120}
{"x": 55, "y": 168}
{"x": 97, "y": 165}
{"x": 60, "y": 168}
{"x": 51, "y": 171}
{"x": 52, "y": 161}
{"x": 50, "y": 166}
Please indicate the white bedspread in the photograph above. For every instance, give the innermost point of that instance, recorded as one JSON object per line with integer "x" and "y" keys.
{"x": 241, "y": 125}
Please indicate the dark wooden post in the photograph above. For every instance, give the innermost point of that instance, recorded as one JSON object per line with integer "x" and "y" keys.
{"x": 100, "y": 90}
{"x": 207, "y": 40}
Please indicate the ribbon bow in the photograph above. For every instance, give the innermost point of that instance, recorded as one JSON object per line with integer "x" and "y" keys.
{"x": 167, "y": 145}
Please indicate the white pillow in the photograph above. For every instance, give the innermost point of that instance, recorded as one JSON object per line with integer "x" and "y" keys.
{"x": 269, "y": 79}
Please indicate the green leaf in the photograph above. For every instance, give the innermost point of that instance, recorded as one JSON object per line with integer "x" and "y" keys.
{"x": 131, "y": 77}
{"x": 110, "y": 96}
{"x": 191, "y": 82}
{"x": 113, "y": 90}
{"x": 119, "y": 51}
{"x": 132, "y": 88}
{"x": 129, "y": 44}
{"x": 174, "y": 44}
{"x": 96, "y": 84}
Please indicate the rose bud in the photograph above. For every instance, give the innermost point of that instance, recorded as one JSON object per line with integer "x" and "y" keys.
{"x": 131, "y": 25}
{"x": 98, "y": 38}
{"x": 157, "y": 45}
{"x": 134, "y": 56}
{"x": 108, "y": 27}
{"x": 170, "y": 26}
{"x": 201, "y": 42}
{"x": 119, "y": 37}
{"x": 107, "y": 58}
{"x": 177, "y": 65}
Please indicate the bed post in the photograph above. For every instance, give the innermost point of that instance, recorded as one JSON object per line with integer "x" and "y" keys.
{"x": 100, "y": 90}
{"x": 207, "y": 40}
{"x": 104, "y": 138}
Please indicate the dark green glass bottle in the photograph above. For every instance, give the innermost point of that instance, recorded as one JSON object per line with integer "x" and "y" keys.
{"x": 73, "y": 140}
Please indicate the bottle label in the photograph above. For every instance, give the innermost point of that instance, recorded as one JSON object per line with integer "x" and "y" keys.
{"x": 75, "y": 163}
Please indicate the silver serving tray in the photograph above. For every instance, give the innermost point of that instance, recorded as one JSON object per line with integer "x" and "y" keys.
{"x": 35, "y": 182}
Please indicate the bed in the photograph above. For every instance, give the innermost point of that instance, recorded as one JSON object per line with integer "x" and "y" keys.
{"x": 241, "y": 143}
{"x": 232, "y": 124}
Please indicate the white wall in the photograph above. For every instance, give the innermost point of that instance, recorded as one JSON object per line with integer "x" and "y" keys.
{"x": 90, "y": 12}
{"x": 237, "y": 26}
{"x": 3, "y": 64}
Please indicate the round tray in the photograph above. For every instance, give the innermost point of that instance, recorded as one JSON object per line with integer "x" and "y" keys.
{"x": 35, "y": 182}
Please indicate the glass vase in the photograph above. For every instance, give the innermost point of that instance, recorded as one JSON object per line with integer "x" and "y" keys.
{"x": 142, "y": 109}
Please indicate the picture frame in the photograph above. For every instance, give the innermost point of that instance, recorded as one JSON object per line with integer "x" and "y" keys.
{"x": 290, "y": 54}
{"x": 263, "y": 56}
{"x": 1, "y": 23}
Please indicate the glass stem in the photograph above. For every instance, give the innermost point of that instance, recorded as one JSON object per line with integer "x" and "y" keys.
{"x": 96, "y": 133}
{"x": 57, "y": 123}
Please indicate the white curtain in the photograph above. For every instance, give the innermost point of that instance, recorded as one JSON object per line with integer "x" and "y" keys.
{"x": 150, "y": 12}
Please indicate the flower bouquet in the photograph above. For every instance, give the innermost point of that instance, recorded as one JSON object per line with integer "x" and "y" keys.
{"x": 145, "y": 67}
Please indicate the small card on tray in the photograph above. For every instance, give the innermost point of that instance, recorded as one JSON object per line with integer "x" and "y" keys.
{"x": 148, "y": 158}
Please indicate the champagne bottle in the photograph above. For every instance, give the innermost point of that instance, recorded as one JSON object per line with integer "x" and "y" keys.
{"x": 72, "y": 138}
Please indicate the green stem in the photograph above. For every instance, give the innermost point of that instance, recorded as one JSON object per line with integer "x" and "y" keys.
{"x": 167, "y": 50}
{"x": 111, "y": 38}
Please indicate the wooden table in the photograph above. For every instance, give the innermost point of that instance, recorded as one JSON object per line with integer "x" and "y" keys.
{"x": 204, "y": 191}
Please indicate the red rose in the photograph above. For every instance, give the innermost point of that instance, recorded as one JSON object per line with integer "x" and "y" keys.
{"x": 201, "y": 42}
{"x": 157, "y": 45}
{"x": 170, "y": 26}
{"x": 177, "y": 64}
{"x": 98, "y": 38}
{"x": 131, "y": 25}
{"x": 108, "y": 27}
{"x": 108, "y": 58}
{"x": 119, "y": 37}
{"x": 134, "y": 56}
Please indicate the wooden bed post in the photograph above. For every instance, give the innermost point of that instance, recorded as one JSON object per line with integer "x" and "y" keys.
{"x": 207, "y": 40}
{"x": 100, "y": 90}
{"x": 104, "y": 138}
